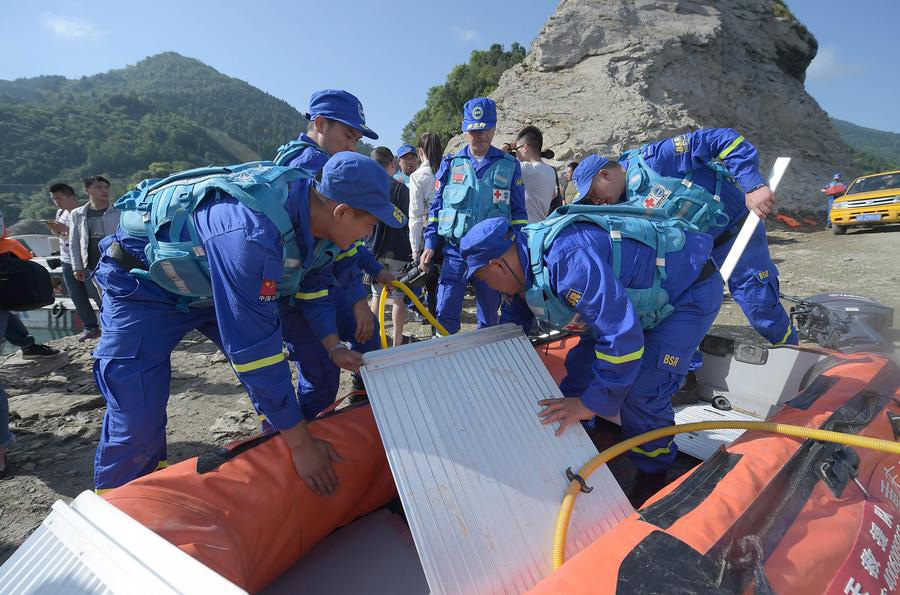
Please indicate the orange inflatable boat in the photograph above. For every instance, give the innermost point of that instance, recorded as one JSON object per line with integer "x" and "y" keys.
{"x": 244, "y": 512}
{"x": 770, "y": 513}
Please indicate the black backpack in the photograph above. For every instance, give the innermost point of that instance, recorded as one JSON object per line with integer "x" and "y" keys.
{"x": 24, "y": 284}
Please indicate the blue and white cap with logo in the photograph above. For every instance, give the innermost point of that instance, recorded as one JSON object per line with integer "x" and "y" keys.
{"x": 336, "y": 104}
{"x": 486, "y": 241}
{"x": 479, "y": 114}
{"x": 405, "y": 149}
{"x": 583, "y": 176}
{"x": 362, "y": 183}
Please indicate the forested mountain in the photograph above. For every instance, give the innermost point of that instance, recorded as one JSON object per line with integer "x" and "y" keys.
{"x": 873, "y": 150}
{"x": 165, "y": 113}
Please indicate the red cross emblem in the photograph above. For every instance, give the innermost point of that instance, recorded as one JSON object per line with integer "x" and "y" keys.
{"x": 497, "y": 195}
{"x": 649, "y": 202}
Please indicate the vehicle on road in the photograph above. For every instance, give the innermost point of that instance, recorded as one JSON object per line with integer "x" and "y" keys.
{"x": 871, "y": 200}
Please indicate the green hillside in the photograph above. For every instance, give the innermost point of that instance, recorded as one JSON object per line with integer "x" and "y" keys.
{"x": 873, "y": 150}
{"x": 164, "y": 113}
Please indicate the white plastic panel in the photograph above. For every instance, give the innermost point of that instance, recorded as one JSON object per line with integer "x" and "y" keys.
{"x": 91, "y": 547}
{"x": 703, "y": 444}
{"x": 480, "y": 478}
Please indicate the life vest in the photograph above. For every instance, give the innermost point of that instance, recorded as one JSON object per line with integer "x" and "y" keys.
{"x": 651, "y": 227}
{"x": 770, "y": 513}
{"x": 683, "y": 200}
{"x": 468, "y": 200}
{"x": 182, "y": 267}
{"x": 290, "y": 151}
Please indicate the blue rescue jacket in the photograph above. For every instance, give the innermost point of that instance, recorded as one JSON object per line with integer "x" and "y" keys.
{"x": 651, "y": 227}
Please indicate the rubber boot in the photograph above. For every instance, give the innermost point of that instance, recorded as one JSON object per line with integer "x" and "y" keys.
{"x": 645, "y": 485}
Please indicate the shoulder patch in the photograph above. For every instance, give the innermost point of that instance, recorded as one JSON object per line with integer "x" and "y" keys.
{"x": 681, "y": 143}
{"x": 573, "y": 297}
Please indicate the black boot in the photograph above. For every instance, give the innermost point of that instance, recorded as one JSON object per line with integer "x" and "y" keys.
{"x": 645, "y": 485}
{"x": 358, "y": 388}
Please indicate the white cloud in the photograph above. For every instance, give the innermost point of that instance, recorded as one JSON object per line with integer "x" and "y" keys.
{"x": 467, "y": 34}
{"x": 69, "y": 27}
{"x": 826, "y": 66}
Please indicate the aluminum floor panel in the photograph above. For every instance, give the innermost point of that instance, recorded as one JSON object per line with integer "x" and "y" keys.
{"x": 703, "y": 444}
{"x": 480, "y": 479}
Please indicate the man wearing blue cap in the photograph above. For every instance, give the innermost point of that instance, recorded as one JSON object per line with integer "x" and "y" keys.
{"x": 610, "y": 278}
{"x": 717, "y": 166}
{"x": 477, "y": 183}
{"x": 336, "y": 123}
{"x": 213, "y": 250}
{"x": 409, "y": 162}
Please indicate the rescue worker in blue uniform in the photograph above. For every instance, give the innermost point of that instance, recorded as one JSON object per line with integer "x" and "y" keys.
{"x": 569, "y": 280}
{"x": 246, "y": 253}
{"x": 754, "y": 281}
{"x": 408, "y": 160}
{"x": 477, "y": 183}
{"x": 336, "y": 123}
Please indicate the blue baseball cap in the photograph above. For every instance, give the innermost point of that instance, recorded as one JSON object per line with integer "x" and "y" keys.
{"x": 362, "y": 183}
{"x": 336, "y": 104}
{"x": 583, "y": 176}
{"x": 479, "y": 114}
{"x": 486, "y": 241}
{"x": 405, "y": 149}
{"x": 836, "y": 176}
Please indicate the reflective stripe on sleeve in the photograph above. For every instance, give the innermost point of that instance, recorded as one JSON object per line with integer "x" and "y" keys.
{"x": 350, "y": 252}
{"x": 786, "y": 335}
{"x": 731, "y": 147}
{"x": 432, "y": 219}
{"x": 620, "y": 359}
{"x": 519, "y": 222}
{"x": 653, "y": 453}
{"x": 260, "y": 363}
{"x": 311, "y": 295}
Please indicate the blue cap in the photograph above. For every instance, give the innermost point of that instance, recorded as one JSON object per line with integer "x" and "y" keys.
{"x": 836, "y": 176}
{"x": 479, "y": 114}
{"x": 405, "y": 149}
{"x": 483, "y": 243}
{"x": 583, "y": 176}
{"x": 339, "y": 105}
{"x": 362, "y": 183}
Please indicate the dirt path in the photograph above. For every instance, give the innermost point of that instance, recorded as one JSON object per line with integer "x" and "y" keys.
{"x": 57, "y": 417}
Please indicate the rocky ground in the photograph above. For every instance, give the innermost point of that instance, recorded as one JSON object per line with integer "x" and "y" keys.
{"x": 56, "y": 416}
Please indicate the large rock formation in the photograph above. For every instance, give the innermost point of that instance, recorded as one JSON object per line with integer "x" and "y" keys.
{"x": 606, "y": 75}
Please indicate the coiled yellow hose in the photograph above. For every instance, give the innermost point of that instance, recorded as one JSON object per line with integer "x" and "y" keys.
{"x": 568, "y": 503}
{"x": 382, "y": 301}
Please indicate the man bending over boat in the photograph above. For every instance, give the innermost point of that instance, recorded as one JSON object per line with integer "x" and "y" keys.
{"x": 645, "y": 293}
{"x": 213, "y": 250}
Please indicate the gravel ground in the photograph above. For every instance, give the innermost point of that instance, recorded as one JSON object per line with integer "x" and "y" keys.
{"x": 56, "y": 416}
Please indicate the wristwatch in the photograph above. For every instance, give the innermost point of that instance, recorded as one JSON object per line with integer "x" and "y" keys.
{"x": 755, "y": 188}
{"x": 337, "y": 347}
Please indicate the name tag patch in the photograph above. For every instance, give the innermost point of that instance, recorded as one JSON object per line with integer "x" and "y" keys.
{"x": 573, "y": 297}
{"x": 458, "y": 175}
{"x": 657, "y": 196}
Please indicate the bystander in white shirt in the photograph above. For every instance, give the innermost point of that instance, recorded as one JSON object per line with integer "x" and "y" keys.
{"x": 421, "y": 193}
{"x": 540, "y": 188}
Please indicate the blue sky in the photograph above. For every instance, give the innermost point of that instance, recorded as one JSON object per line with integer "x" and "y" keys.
{"x": 389, "y": 54}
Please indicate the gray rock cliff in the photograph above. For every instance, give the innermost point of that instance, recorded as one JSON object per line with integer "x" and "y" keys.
{"x": 608, "y": 75}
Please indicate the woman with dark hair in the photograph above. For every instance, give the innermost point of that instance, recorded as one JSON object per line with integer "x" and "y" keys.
{"x": 421, "y": 193}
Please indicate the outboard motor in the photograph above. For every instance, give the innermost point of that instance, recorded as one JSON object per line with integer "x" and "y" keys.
{"x": 843, "y": 322}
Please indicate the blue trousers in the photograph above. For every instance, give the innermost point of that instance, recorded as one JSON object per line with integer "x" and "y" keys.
{"x": 132, "y": 368}
{"x": 754, "y": 286}
{"x": 648, "y": 402}
{"x": 318, "y": 377}
{"x": 452, "y": 290}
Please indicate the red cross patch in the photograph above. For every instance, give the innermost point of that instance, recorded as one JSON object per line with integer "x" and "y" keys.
{"x": 500, "y": 195}
{"x": 267, "y": 290}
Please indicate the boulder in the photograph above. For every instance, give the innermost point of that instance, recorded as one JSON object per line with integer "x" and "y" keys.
{"x": 609, "y": 75}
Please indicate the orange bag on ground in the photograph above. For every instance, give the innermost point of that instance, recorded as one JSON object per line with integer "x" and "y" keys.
{"x": 770, "y": 513}
{"x": 244, "y": 512}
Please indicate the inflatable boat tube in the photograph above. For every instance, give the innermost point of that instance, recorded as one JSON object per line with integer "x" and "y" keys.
{"x": 770, "y": 513}
{"x": 244, "y": 512}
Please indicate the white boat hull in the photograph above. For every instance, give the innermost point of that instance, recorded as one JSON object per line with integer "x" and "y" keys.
{"x": 61, "y": 315}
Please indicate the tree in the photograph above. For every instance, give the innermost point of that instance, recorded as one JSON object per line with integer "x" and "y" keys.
{"x": 443, "y": 109}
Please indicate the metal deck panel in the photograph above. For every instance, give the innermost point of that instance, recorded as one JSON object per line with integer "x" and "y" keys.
{"x": 480, "y": 479}
{"x": 703, "y": 444}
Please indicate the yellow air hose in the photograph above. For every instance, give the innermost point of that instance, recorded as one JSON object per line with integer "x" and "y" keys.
{"x": 382, "y": 302}
{"x": 565, "y": 511}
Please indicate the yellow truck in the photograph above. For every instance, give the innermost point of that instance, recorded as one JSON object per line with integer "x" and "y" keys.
{"x": 871, "y": 200}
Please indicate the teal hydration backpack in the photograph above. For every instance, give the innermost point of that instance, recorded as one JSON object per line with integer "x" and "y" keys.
{"x": 468, "y": 200}
{"x": 651, "y": 227}
{"x": 182, "y": 266}
{"x": 290, "y": 151}
{"x": 680, "y": 198}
